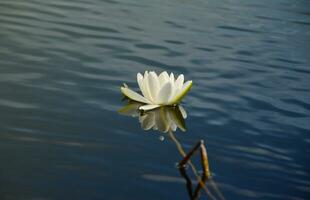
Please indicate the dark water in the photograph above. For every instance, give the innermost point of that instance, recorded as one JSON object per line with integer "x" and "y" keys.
{"x": 62, "y": 63}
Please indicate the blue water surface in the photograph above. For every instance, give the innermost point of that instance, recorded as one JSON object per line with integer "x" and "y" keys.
{"x": 62, "y": 63}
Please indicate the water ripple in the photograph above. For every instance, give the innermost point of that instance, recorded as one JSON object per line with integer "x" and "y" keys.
{"x": 62, "y": 63}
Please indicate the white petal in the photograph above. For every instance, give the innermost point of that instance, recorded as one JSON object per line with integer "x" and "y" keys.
{"x": 163, "y": 78}
{"x": 140, "y": 81}
{"x": 183, "y": 111}
{"x": 149, "y": 107}
{"x": 153, "y": 85}
{"x": 146, "y": 88}
{"x": 185, "y": 89}
{"x": 172, "y": 80}
{"x": 172, "y": 77}
{"x": 141, "y": 85}
{"x": 164, "y": 94}
{"x": 134, "y": 96}
{"x": 179, "y": 82}
{"x": 145, "y": 73}
{"x": 139, "y": 78}
{"x": 174, "y": 91}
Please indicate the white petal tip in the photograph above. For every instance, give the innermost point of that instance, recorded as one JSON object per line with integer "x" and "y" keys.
{"x": 185, "y": 89}
{"x": 133, "y": 95}
{"x": 148, "y": 107}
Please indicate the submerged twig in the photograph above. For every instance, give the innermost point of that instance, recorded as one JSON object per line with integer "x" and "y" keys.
{"x": 190, "y": 153}
{"x": 204, "y": 160}
{"x": 182, "y": 152}
{"x": 205, "y": 166}
{"x": 203, "y": 156}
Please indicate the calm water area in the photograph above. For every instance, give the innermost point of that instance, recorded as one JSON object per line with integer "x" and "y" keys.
{"x": 62, "y": 63}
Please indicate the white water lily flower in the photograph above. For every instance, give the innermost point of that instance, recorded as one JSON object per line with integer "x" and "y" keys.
{"x": 159, "y": 90}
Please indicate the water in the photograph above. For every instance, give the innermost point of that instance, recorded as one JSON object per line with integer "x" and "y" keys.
{"x": 61, "y": 66}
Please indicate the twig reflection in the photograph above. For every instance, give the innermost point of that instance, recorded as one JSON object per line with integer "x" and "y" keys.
{"x": 193, "y": 194}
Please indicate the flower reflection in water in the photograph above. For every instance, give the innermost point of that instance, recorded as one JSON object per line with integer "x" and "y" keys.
{"x": 163, "y": 119}
{"x": 168, "y": 119}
